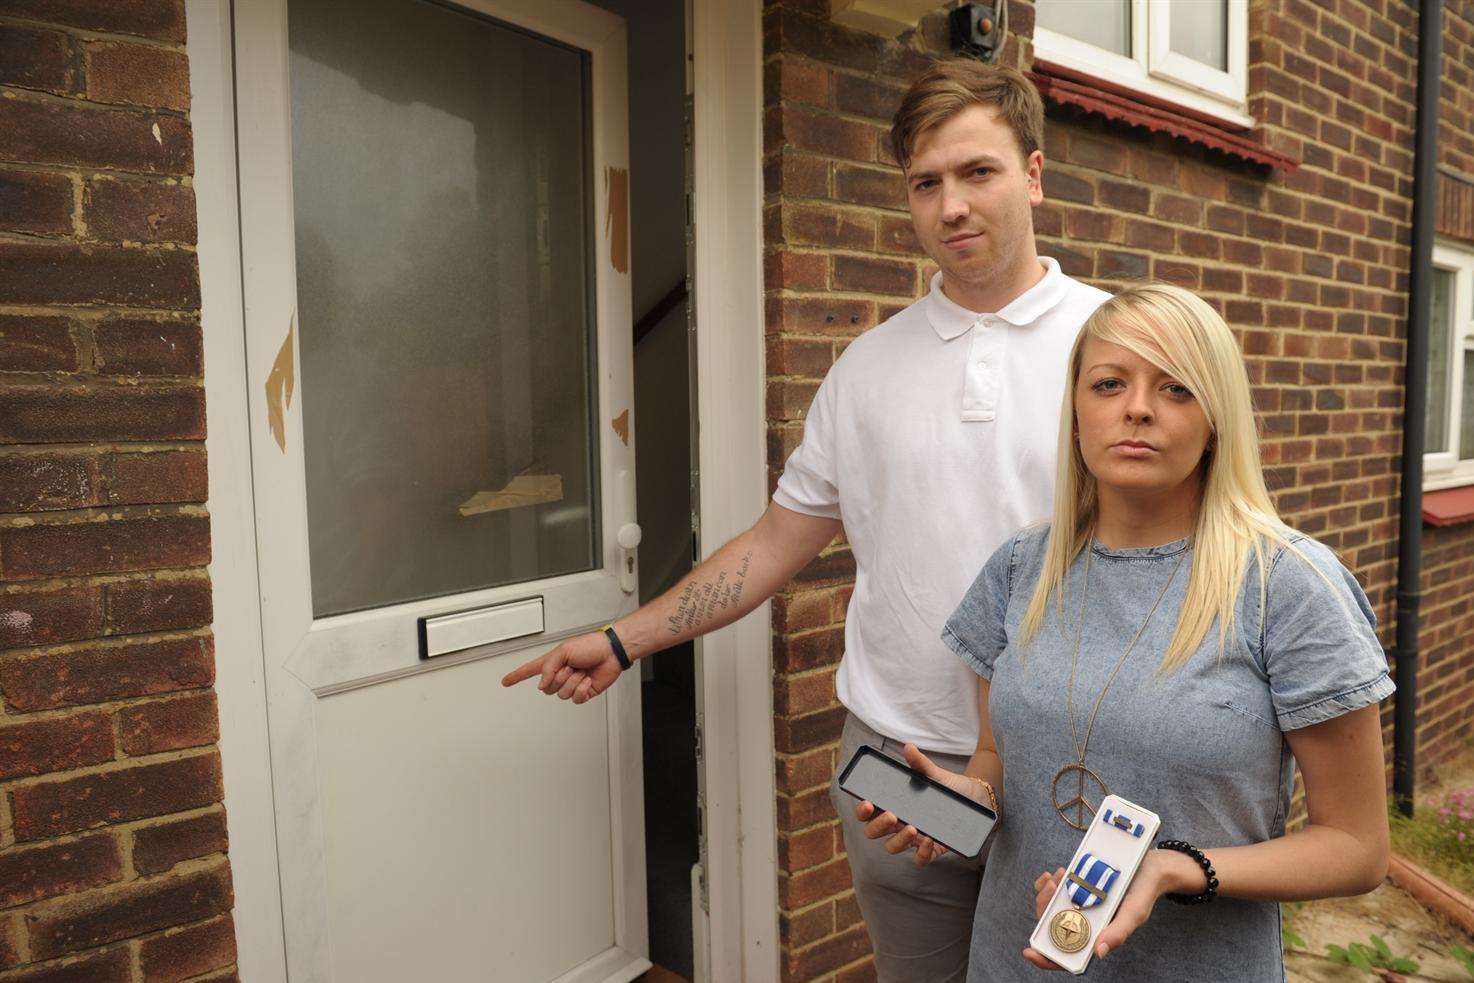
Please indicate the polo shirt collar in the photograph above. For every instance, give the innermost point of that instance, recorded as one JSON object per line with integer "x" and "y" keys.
{"x": 951, "y": 319}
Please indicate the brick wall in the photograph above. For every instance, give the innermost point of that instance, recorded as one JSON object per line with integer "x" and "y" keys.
{"x": 1308, "y": 266}
{"x": 1446, "y": 673}
{"x": 112, "y": 835}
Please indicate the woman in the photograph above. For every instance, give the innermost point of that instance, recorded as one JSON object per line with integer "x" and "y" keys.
{"x": 1169, "y": 639}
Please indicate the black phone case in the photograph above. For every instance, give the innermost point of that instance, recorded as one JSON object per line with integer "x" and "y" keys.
{"x": 940, "y": 808}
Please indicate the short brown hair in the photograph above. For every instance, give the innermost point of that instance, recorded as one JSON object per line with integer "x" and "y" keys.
{"x": 949, "y": 87}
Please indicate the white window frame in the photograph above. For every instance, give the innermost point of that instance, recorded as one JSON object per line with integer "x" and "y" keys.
{"x": 1444, "y": 469}
{"x": 1155, "y": 70}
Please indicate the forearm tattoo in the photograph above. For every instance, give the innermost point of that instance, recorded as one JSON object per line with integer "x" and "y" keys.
{"x": 702, "y": 600}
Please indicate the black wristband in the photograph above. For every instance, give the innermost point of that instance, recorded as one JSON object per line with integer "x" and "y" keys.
{"x": 618, "y": 647}
{"x": 1202, "y": 861}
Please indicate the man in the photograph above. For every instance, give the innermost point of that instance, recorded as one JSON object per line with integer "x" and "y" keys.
{"x": 931, "y": 441}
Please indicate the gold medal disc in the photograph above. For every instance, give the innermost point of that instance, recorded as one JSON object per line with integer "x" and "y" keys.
{"x": 1069, "y": 931}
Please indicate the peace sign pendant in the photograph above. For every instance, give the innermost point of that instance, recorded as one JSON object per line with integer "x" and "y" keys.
{"x": 1079, "y": 806}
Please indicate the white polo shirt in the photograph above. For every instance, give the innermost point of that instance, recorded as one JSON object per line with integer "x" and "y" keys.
{"x": 933, "y": 438}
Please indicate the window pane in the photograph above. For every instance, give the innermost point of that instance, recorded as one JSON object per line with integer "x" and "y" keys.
{"x": 1103, "y": 23}
{"x": 1200, "y": 31}
{"x": 442, "y": 200}
{"x": 1439, "y": 329}
{"x": 1466, "y": 409}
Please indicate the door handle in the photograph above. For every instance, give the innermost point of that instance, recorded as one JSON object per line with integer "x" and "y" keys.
{"x": 628, "y": 537}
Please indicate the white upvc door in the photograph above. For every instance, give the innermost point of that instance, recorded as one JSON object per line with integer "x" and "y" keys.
{"x": 434, "y": 243}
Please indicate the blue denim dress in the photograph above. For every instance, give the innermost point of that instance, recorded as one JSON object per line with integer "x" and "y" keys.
{"x": 1204, "y": 747}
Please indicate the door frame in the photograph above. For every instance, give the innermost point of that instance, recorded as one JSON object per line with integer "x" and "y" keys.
{"x": 742, "y": 932}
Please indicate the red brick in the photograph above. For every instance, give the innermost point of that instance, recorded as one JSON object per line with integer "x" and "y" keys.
{"x": 9, "y": 946}
{"x": 1150, "y": 235}
{"x": 108, "y": 672}
{"x": 104, "y": 546}
{"x": 44, "y": 617}
{"x": 32, "y": 59}
{"x": 162, "y": 20}
{"x": 807, "y": 693}
{"x": 112, "y": 966}
{"x": 847, "y": 316}
{"x": 1101, "y": 155}
{"x": 37, "y": 344}
{"x": 828, "y": 135}
{"x": 1074, "y": 262}
{"x": 785, "y": 270}
{"x": 865, "y": 97}
{"x": 156, "y": 477}
{"x": 231, "y": 975}
{"x": 798, "y": 811}
{"x": 797, "y": 176}
{"x": 869, "y": 186}
{"x": 47, "y": 482}
{"x": 158, "y": 848}
{"x": 828, "y": 227}
{"x": 825, "y": 957}
{"x": 861, "y": 972}
{"x": 131, "y": 911}
{"x": 71, "y": 273}
{"x": 1064, "y": 186}
{"x": 134, "y": 346}
{"x": 1176, "y": 208}
{"x": 897, "y": 235}
{"x": 812, "y": 730}
{"x": 169, "y": 725}
{"x": 811, "y": 609}
{"x": 136, "y": 74}
{"x": 877, "y": 276}
{"x": 35, "y": 747}
{"x": 826, "y": 568}
{"x": 847, "y": 912}
{"x": 139, "y": 211}
{"x": 795, "y": 773}
{"x": 799, "y": 357}
{"x": 805, "y": 927}
{"x": 1126, "y": 197}
{"x": 821, "y": 40}
{"x": 801, "y": 83}
{"x": 796, "y": 890}
{"x": 158, "y": 604}
{"x": 811, "y": 650}
{"x": 807, "y": 849}
{"x": 790, "y": 399}
{"x": 34, "y": 201}
{"x": 32, "y": 873}
{"x": 188, "y": 952}
{"x": 1112, "y": 263}
{"x": 46, "y": 809}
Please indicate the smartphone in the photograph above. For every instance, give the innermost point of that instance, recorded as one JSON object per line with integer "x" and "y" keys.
{"x": 953, "y": 820}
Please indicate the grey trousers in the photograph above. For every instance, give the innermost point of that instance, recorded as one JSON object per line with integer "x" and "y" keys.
{"x": 919, "y": 920}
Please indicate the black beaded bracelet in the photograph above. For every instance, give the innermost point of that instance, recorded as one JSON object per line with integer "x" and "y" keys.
{"x": 1202, "y": 861}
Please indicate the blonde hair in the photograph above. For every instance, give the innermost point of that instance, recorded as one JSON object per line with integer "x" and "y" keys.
{"x": 1179, "y": 333}
{"x": 950, "y": 86}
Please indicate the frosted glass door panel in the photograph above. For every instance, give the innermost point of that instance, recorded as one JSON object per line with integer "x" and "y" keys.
{"x": 1200, "y": 31}
{"x": 442, "y": 198}
{"x": 1439, "y": 329}
{"x": 1103, "y": 23}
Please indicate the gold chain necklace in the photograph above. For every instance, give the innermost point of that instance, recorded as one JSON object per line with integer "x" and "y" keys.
{"x": 1079, "y": 804}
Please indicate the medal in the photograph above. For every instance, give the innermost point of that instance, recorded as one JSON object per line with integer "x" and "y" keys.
{"x": 1069, "y": 931}
{"x": 1087, "y": 885}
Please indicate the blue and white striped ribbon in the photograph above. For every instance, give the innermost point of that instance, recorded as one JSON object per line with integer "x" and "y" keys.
{"x": 1090, "y": 881}
{"x": 1124, "y": 823}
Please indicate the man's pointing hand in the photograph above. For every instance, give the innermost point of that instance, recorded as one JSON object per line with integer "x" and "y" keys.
{"x": 579, "y": 669}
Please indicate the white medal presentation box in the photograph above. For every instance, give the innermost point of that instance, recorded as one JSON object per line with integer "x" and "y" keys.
{"x": 1095, "y": 881}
